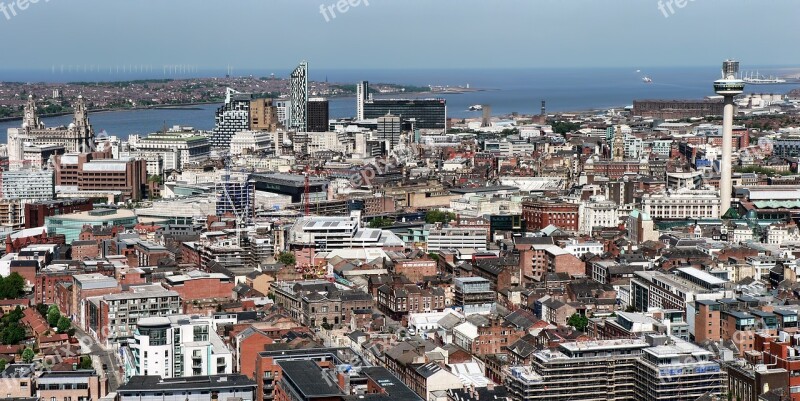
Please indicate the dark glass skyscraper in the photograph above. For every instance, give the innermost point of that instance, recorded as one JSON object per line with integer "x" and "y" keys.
{"x": 428, "y": 113}
{"x": 317, "y": 114}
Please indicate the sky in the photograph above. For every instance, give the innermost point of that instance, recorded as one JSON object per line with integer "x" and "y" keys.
{"x": 384, "y": 34}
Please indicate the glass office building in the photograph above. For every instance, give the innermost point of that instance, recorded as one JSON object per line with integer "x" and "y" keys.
{"x": 427, "y": 113}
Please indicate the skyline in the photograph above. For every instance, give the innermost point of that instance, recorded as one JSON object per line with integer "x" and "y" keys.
{"x": 397, "y": 34}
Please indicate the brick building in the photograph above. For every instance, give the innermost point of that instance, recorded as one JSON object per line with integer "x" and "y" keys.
{"x": 71, "y": 385}
{"x": 540, "y": 214}
{"x": 197, "y": 285}
{"x": 415, "y": 269}
{"x": 149, "y": 254}
{"x": 399, "y": 301}
{"x": 98, "y": 172}
{"x": 317, "y": 302}
{"x": 85, "y": 250}
{"x": 36, "y": 212}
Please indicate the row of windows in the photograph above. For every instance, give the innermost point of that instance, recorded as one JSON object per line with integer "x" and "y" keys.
{"x": 65, "y": 386}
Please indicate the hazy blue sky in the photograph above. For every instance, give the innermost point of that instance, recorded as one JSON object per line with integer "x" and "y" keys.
{"x": 277, "y": 34}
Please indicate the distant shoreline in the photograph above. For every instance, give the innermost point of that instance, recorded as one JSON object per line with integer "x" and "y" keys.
{"x": 187, "y": 106}
{"x": 177, "y": 106}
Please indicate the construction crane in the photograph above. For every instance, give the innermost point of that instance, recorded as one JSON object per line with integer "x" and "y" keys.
{"x": 241, "y": 217}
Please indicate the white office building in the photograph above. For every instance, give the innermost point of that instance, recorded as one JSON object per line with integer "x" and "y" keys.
{"x": 176, "y": 147}
{"x": 456, "y": 238}
{"x": 327, "y": 233}
{"x": 252, "y": 142}
{"x": 179, "y": 346}
{"x": 598, "y": 211}
{"x": 578, "y": 249}
{"x": 682, "y": 204}
{"x": 313, "y": 142}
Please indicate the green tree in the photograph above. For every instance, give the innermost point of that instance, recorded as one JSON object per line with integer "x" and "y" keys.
{"x": 13, "y": 317}
{"x": 63, "y": 324}
{"x": 380, "y": 222}
{"x": 42, "y": 309}
{"x": 578, "y": 321}
{"x": 563, "y": 127}
{"x": 12, "y": 334}
{"x": 438, "y": 216}
{"x": 27, "y": 355}
{"x": 287, "y": 258}
{"x": 86, "y": 362}
{"x": 53, "y": 315}
{"x": 3, "y": 363}
{"x": 11, "y": 287}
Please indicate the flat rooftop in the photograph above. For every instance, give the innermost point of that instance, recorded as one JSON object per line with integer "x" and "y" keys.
{"x": 95, "y": 281}
{"x": 493, "y": 188}
{"x": 396, "y": 389}
{"x": 297, "y": 180}
{"x": 701, "y": 275}
{"x": 196, "y": 383}
{"x": 98, "y": 215}
{"x": 677, "y": 349}
{"x": 597, "y": 345}
{"x": 307, "y": 378}
{"x": 142, "y": 291}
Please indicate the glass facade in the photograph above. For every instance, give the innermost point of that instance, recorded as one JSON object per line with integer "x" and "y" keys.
{"x": 428, "y": 113}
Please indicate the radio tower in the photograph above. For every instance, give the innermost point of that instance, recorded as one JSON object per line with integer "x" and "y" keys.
{"x": 728, "y": 87}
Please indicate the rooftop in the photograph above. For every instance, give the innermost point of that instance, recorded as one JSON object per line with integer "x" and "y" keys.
{"x": 96, "y": 215}
{"x": 306, "y": 376}
{"x": 196, "y": 383}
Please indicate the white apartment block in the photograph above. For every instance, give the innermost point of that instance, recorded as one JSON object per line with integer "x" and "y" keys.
{"x": 179, "y": 346}
{"x": 126, "y": 308}
{"x": 28, "y": 185}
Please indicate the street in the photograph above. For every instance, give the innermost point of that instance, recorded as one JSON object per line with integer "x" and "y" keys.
{"x": 100, "y": 357}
